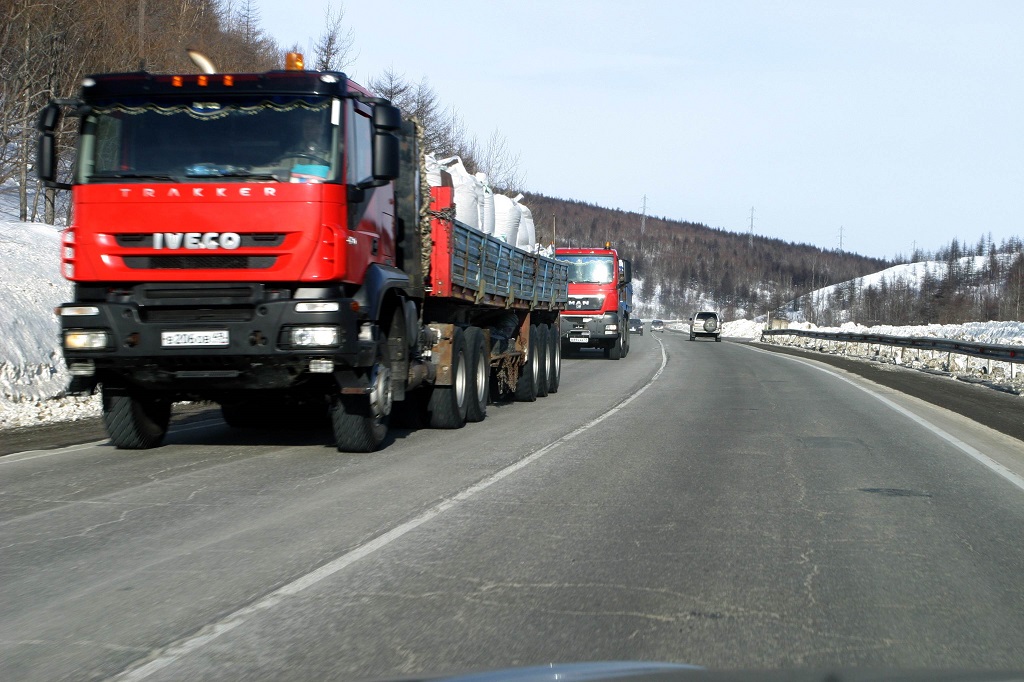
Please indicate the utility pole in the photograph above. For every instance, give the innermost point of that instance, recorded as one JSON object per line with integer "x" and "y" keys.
{"x": 552, "y": 231}
{"x": 840, "y": 238}
{"x": 750, "y": 239}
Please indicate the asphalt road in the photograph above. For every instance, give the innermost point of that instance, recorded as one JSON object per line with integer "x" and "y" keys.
{"x": 713, "y": 504}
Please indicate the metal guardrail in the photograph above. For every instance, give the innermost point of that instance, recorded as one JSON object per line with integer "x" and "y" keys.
{"x": 989, "y": 351}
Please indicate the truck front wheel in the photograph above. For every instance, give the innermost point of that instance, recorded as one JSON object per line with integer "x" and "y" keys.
{"x": 135, "y": 423}
{"x": 360, "y": 422}
{"x": 614, "y": 352}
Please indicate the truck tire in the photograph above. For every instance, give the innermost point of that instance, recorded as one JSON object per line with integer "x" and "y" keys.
{"x": 718, "y": 337}
{"x": 135, "y": 423}
{"x": 544, "y": 360}
{"x": 625, "y": 340}
{"x": 479, "y": 375}
{"x": 526, "y": 387}
{"x": 448, "y": 404}
{"x": 614, "y": 351}
{"x": 360, "y": 422}
{"x": 555, "y": 348}
{"x": 692, "y": 337}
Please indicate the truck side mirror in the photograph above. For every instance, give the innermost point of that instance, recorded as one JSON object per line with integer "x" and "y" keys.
{"x": 386, "y": 147}
{"x": 625, "y": 271}
{"x": 46, "y": 145}
{"x": 385, "y": 157}
{"x": 387, "y": 117}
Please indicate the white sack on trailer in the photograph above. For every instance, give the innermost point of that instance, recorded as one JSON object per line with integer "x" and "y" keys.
{"x": 527, "y": 230}
{"x": 465, "y": 192}
{"x": 486, "y": 205}
{"x": 506, "y": 218}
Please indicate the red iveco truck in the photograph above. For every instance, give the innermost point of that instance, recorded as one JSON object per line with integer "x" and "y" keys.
{"x": 264, "y": 241}
{"x": 600, "y": 301}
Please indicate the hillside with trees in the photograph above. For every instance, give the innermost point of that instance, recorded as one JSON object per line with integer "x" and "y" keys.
{"x": 684, "y": 265}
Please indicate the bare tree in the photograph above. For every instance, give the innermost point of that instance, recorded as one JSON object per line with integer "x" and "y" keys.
{"x": 333, "y": 47}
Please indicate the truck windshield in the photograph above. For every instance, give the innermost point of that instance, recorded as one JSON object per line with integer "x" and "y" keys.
{"x": 590, "y": 269}
{"x": 267, "y": 139}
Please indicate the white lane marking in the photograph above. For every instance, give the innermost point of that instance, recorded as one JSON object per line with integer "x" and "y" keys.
{"x": 28, "y": 455}
{"x": 172, "y": 653}
{"x": 968, "y": 450}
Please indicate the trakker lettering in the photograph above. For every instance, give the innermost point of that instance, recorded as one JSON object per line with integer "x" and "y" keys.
{"x": 196, "y": 240}
{"x": 152, "y": 193}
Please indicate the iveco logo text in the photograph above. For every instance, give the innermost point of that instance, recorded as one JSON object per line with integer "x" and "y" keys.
{"x": 196, "y": 240}
{"x": 151, "y": 193}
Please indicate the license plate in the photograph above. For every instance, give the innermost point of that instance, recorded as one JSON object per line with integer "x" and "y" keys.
{"x": 578, "y": 339}
{"x": 207, "y": 338}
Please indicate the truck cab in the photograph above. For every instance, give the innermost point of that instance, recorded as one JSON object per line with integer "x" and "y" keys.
{"x": 600, "y": 301}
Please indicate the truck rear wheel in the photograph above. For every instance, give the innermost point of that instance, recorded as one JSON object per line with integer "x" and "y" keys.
{"x": 135, "y": 423}
{"x": 526, "y": 387}
{"x": 479, "y": 375}
{"x": 544, "y": 360}
{"x": 360, "y": 422}
{"x": 555, "y": 348}
{"x": 448, "y": 404}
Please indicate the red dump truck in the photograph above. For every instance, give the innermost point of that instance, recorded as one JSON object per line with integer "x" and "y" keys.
{"x": 264, "y": 241}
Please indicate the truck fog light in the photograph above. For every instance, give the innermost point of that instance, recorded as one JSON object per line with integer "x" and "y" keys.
{"x": 317, "y": 307}
{"x": 85, "y": 340}
{"x": 78, "y": 311}
{"x": 82, "y": 369}
{"x": 314, "y": 336}
{"x": 319, "y": 366}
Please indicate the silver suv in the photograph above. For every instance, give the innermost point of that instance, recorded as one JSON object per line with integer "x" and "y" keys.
{"x": 706, "y": 323}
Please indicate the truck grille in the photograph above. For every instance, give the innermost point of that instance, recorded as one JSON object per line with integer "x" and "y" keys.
{"x": 200, "y": 262}
{"x": 250, "y": 240}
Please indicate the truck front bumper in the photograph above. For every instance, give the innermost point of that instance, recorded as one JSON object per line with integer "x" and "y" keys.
{"x": 599, "y": 329}
{"x": 204, "y": 351}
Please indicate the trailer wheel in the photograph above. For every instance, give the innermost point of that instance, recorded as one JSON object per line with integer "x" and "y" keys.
{"x": 526, "y": 387}
{"x": 555, "y": 371}
{"x": 360, "y": 422}
{"x": 543, "y": 360}
{"x": 135, "y": 423}
{"x": 448, "y": 404}
{"x": 479, "y": 375}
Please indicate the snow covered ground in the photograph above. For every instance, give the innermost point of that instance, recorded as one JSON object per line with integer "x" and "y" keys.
{"x": 32, "y": 372}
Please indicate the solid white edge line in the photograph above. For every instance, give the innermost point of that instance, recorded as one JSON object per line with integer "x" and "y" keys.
{"x": 968, "y": 450}
{"x": 173, "y": 652}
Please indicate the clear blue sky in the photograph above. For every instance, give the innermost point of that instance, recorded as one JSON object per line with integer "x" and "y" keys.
{"x": 899, "y": 121}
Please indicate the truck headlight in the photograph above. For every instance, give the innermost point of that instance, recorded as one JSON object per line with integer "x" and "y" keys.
{"x": 611, "y": 328}
{"x": 84, "y": 339}
{"x": 314, "y": 336}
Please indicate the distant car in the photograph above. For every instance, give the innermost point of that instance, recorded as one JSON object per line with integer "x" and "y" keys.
{"x": 706, "y": 323}
{"x": 636, "y": 326}
{"x": 657, "y": 326}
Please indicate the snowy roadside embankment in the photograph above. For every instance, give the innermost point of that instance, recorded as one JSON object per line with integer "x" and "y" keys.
{"x": 1002, "y": 374}
{"x": 32, "y": 372}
